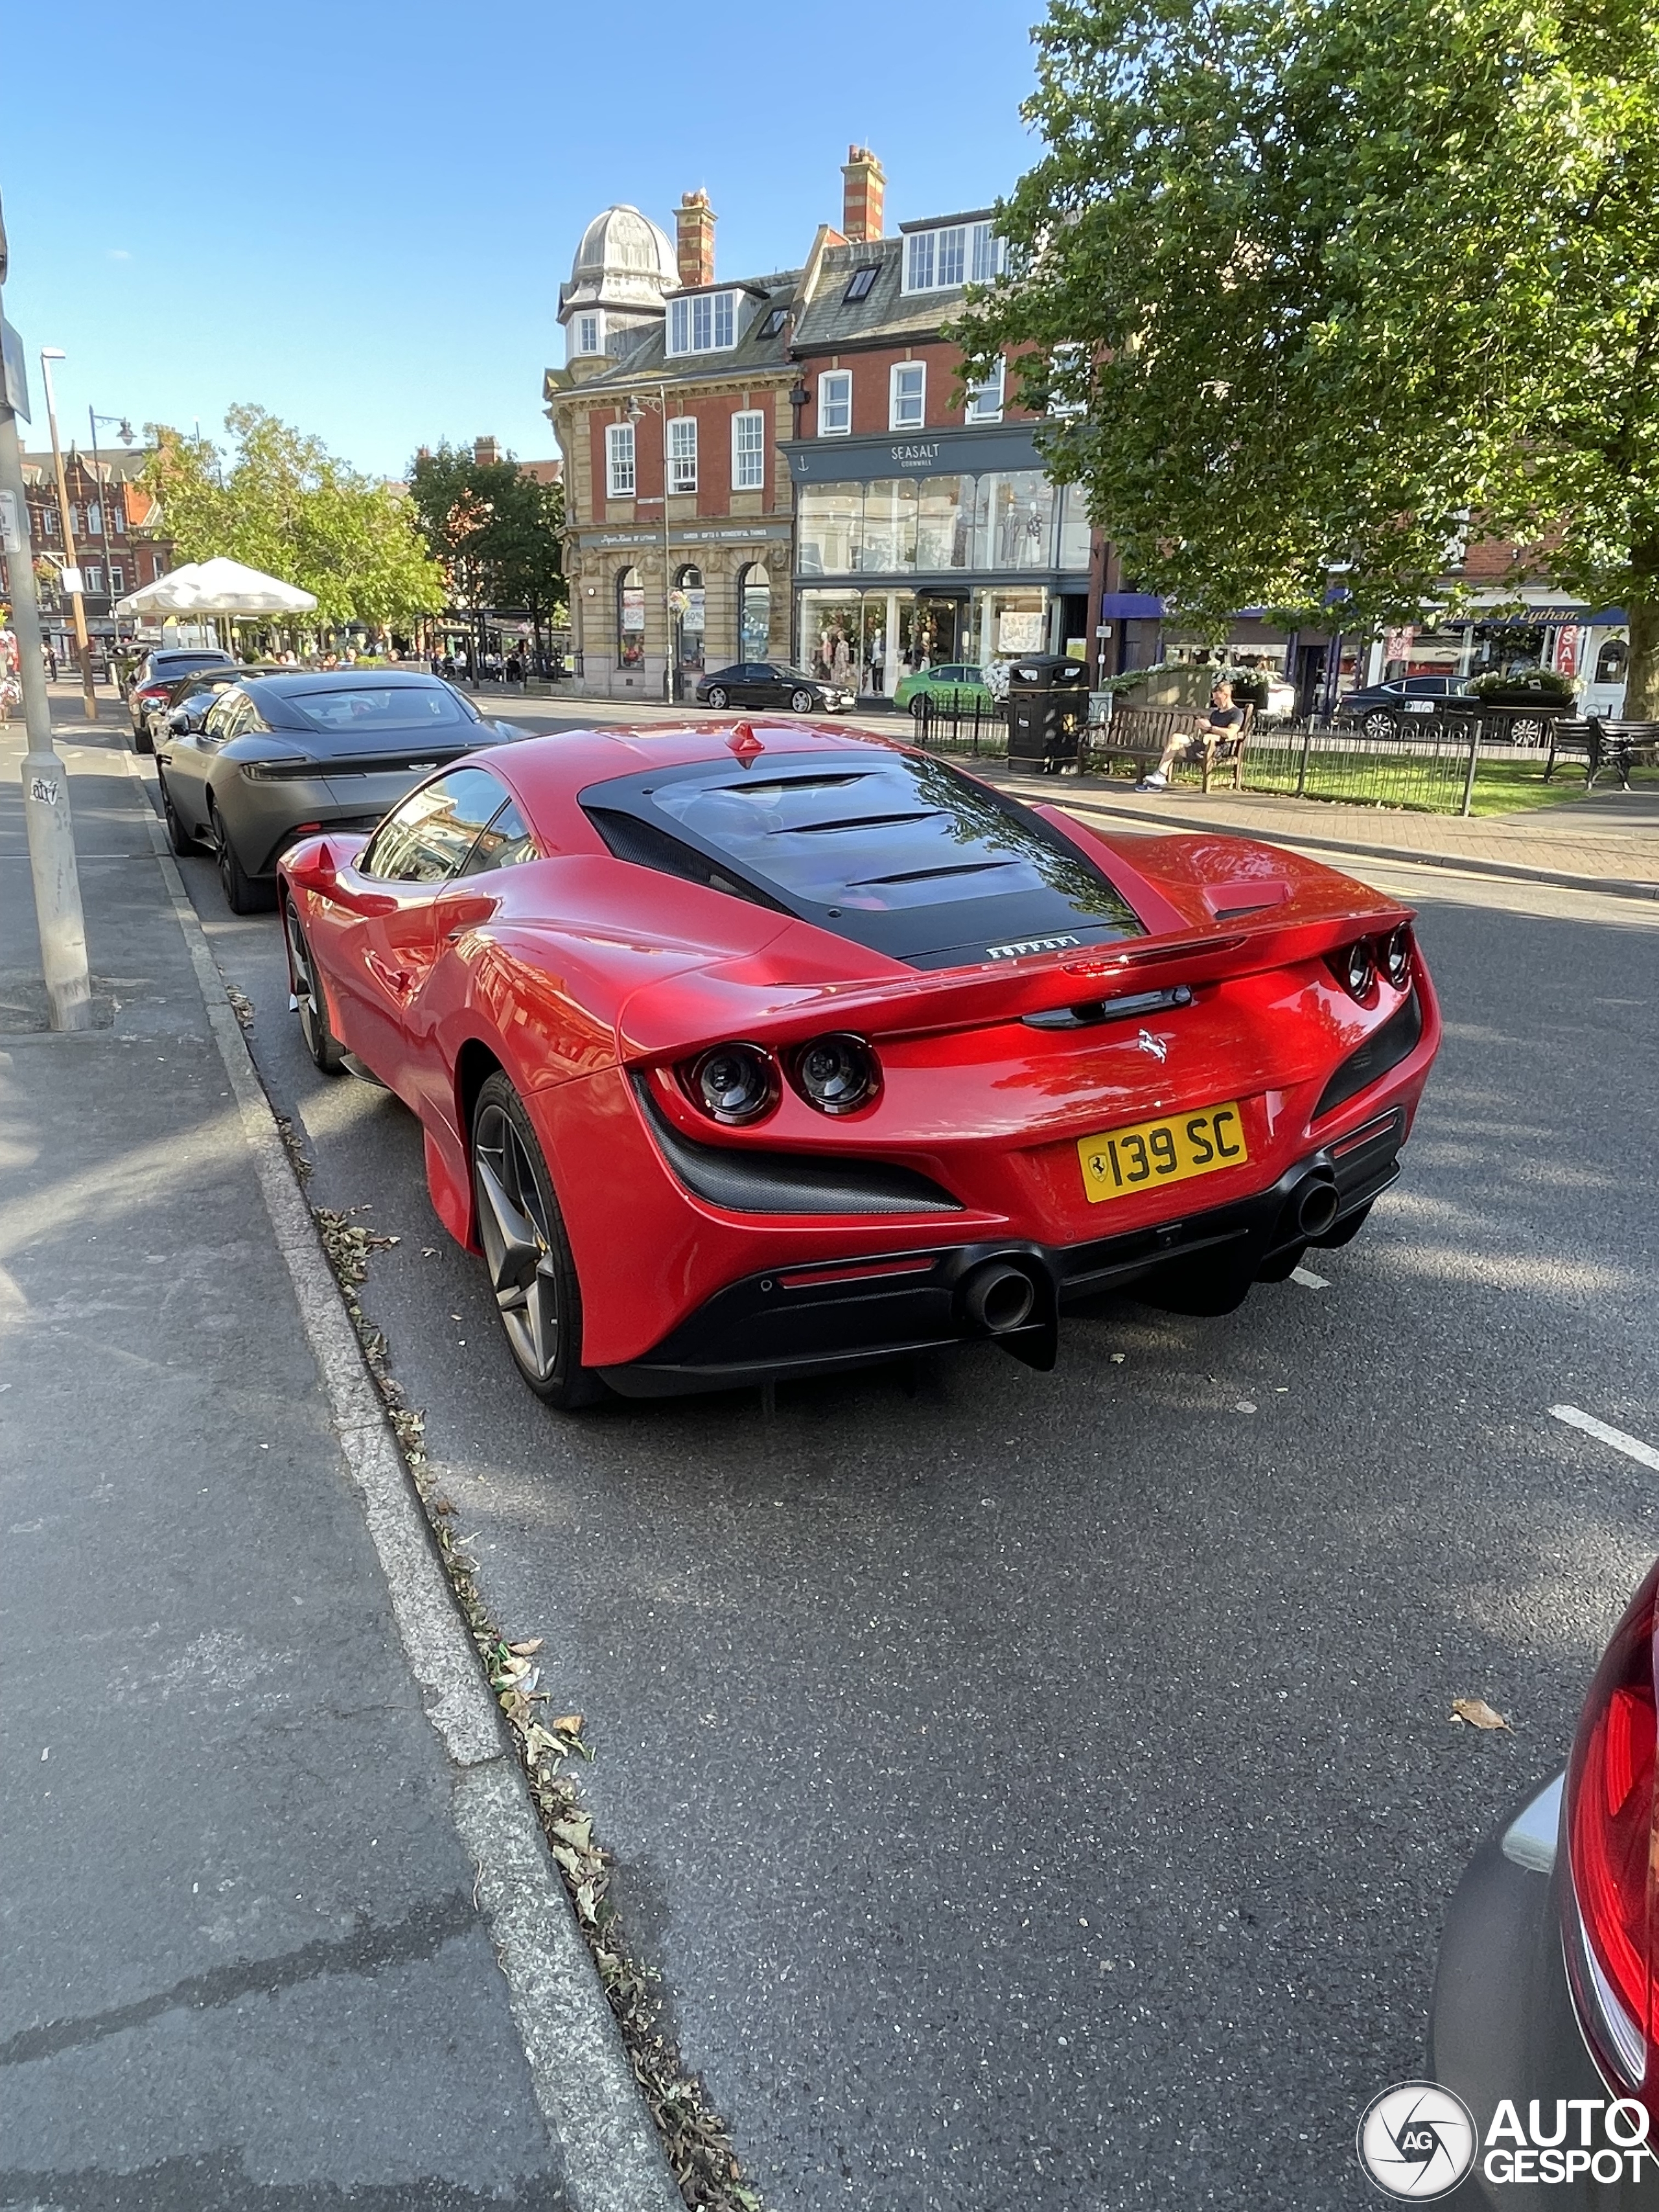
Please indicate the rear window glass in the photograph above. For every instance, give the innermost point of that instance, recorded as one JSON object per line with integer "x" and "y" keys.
{"x": 895, "y": 850}
{"x": 379, "y": 707}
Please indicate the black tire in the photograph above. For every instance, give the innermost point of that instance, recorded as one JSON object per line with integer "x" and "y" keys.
{"x": 311, "y": 1000}
{"x": 1377, "y": 725}
{"x": 919, "y": 707}
{"x": 800, "y": 702}
{"x": 244, "y": 894}
{"x": 718, "y": 695}
{"x": 526, "y": 1251}
{"x": 143, "y": 742}
{"x": 1526, "y": 731}
{"x": 178, "y": 836}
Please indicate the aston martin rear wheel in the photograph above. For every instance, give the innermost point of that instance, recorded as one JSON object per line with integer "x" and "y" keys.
{"x": 244, "y": 894}
{"x": 310, "y": 1003}
{"x": 527, "y": 1251}
{"x": 178, "y": 836}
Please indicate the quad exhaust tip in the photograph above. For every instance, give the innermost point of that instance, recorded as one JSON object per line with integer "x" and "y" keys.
{"x": 998, "y": 1297}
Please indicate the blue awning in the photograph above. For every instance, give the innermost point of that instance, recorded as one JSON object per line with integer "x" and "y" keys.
{"x": 1130, "y": 606}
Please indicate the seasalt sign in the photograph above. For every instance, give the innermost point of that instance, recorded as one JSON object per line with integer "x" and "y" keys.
{"x": 915, "y": 456}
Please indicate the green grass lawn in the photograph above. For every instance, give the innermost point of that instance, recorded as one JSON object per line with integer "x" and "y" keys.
{"x": 1513, "y": 787}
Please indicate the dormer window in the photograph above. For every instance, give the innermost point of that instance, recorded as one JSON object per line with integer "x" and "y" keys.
{"x": 956, "y": 254}
{"x": 586, "y": 336}
{"x": 707, "y": 322}
{"x": 859, "y": 284}
{"x": 775, "y": 319}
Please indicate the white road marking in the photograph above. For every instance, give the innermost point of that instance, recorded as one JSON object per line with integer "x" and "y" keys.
{"x": 1308, "y": 1279}
{"x": 1632, "y": 1447}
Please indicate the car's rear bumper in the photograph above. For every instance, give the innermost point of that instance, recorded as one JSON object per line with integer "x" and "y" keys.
{"x": 1505, "y": 2027}
{"x": 826, "y": 1315}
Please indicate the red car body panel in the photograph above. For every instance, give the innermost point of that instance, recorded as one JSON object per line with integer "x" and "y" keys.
{"x": 593, "y": 981}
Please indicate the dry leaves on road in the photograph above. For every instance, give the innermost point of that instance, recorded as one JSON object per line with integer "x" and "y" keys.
{"x": 1476, "y": 1713}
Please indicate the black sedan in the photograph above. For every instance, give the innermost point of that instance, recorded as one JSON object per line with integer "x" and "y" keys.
{"x": 1380, "y": 710}
{"x": 1547, "y": 2002}
{"x": 773, "y": 684}
{"x": 158, "y": 671}
{"x": 278, "y": 756}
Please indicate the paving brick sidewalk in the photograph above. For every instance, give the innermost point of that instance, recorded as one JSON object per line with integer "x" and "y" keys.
{"x": 1608, "y": 842}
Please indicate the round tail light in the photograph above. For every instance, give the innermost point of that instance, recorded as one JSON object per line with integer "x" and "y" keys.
{"x": 1355, "y": 967}
{"x": 1397, "y": 957}
{"x": 1610, "y": 1840}
{"x": 734, "y": 1082}
{"x": 837, "y": 1074}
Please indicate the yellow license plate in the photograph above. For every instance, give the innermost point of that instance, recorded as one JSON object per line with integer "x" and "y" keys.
{"x": 1121, "y": 1161}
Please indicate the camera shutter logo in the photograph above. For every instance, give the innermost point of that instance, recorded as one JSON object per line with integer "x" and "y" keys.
{"x": 1416, "y": 2140}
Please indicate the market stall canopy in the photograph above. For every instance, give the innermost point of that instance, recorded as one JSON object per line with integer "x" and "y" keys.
{"x": 218, "y": 587}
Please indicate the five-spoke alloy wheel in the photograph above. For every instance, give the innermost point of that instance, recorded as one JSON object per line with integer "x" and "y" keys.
{"x": 717, "y": 695}
{"x": 310, "y": 1001}
{"x": 526, "y": 1251}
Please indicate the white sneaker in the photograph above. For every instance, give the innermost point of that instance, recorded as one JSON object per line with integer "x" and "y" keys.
{"x": 1152, "y": 782}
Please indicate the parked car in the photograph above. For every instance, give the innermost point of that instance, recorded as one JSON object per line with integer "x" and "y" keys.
{"x": 956, "y": 687}
{"x": 747, "y": 1053}
{"x": 278, "y": 756}
{"x": 190, "y": 696}
{"x": 162, "y": 667}
{"x": 1545, "y": 1992}
{"x": 1380, "y": 710}
{"x": 772, "y": 683}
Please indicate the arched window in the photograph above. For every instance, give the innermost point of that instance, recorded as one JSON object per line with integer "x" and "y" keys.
{"x": 754, "y": 613}
{"x": 687, "y": 601}
{"x": 1610, "y": 661}
{"x": 631, "y": 619}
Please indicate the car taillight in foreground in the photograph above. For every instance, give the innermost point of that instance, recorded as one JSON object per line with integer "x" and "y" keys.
{"x": 1609, "y": 1822}
{"x": 738, "y": 1083}
{"x": 837, "y": 1074}
{"x": 1357, "y": 966}
{"x": 734, "y": 1082}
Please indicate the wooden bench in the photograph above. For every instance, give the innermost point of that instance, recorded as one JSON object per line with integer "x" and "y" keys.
{"x": 1601, "y": 744}
{"x": 1136, "y": 736}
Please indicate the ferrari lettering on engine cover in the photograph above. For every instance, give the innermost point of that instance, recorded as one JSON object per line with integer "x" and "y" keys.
{"x": 1030, "y": 945}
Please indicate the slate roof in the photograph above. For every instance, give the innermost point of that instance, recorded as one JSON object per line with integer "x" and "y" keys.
{"x": 650, "y": 361}
{"x": 887, "y": 314}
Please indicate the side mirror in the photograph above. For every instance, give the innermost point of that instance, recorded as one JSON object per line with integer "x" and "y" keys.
{"x": 311, "y": 866}
{"x": 179, "y": 720}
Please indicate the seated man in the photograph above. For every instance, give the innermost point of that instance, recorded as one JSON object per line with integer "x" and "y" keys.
{"x": 1223, "y": 721}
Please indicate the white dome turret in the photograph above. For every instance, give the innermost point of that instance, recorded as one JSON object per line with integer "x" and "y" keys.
{"x": 624, "y": 261}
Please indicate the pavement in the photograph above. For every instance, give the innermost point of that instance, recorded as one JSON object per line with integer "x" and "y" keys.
{"x": 277, "y": 1930}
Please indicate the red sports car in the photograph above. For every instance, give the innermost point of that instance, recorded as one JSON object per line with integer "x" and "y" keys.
{"x": 752, "y": 1052}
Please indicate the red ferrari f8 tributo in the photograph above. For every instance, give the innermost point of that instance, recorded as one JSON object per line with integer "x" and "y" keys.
{"x": 744, "y": 1052}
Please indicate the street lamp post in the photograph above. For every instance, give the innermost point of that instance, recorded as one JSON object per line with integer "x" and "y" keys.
{"x": 77, "y": 603}
{"x": 46, "y": 821}
{"x": 103, "y": 510}
{"x": 635, "y": 414}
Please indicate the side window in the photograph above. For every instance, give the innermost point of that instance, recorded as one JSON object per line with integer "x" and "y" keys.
{"x": 504, "y": 844}
{"x": 427, "y": 838}
{"x": 226, "y": 719}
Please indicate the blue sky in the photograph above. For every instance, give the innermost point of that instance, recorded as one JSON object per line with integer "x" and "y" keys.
{"x": 358, "y": 214}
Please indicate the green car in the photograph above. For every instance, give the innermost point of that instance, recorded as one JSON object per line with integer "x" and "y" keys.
{"x": 955, "y": 687}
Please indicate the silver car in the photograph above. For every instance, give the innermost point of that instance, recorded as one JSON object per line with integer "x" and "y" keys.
{"x": 278, "y": 756}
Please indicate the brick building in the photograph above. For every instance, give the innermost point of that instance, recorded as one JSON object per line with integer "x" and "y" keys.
{"x": 120, "y": 541}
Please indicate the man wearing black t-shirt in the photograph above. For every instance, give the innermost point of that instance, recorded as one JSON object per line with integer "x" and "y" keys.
{"x": 1223, "y": 721}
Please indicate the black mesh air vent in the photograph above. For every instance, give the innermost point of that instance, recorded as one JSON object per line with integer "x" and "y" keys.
{"x": 745, "y": 1181}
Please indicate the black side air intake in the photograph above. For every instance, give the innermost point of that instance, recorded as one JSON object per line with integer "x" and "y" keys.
{"x": 1384, "y": 1049}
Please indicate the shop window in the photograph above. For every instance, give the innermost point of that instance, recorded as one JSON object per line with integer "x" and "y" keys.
{"x": 985, "y": 399}
{"x": 686, "y": 603}
{"x": 1013, "y": 515}
{"x": 683, "y": 452}
{"x": 631, "y": 619}
{"x": 830, "y": 528}
{"x": 704, "y": 323}
{"x": 1071, "y": 546}
{"x": 890, "y": 527}
{"x": 835, "y": 402}
{"x": 754, "y": 613}
{"x": 1610, "y": 662}
{"x": 749, "y": 450}
{"x": 908, "y": 398}
{"x": 619, "y": 460}
{"x": 943, "y": 522}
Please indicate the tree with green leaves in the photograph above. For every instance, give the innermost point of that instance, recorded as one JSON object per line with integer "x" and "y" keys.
{"x": 284, "y": 504}
{"x": 495, "y": 531}
{"x": 1313, "y": 292}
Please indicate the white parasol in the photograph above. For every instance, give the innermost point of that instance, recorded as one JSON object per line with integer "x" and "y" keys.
{"x": 218, "y": 587}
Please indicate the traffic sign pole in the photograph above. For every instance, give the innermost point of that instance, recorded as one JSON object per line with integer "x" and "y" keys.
{"x": 46, "y": 783}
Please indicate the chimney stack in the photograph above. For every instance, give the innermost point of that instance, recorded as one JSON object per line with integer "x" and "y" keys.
{"x": 865, "y": 188}
{"x": 485, "y": 452}
{"x": 694, "y": 224}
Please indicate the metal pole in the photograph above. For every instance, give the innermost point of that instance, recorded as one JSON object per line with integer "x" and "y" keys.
{"x": 45, "y": 785}
{"x": 1475, "y": 722}
{"x": 667, "y": 588}
{"x": 77, "y": 604}
{"x": 103, "y": 532}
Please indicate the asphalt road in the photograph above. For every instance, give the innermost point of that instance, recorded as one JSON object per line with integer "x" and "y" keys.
{"x": 1041, "y": 1788}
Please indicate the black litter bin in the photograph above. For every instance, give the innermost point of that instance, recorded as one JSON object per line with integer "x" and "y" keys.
{"x": 1048, "y": 706}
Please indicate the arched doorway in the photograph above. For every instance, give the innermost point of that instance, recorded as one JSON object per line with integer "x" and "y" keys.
{"x": 631, "y": 619}
{"x": 687, "y": 602}
{"x": 754, "y": 613}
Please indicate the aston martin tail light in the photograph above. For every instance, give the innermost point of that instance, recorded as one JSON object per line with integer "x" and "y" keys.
{"x": 1397, "y": 957}
{"x": 734, "y": 1082}
{"x": 837, "y": 1074}
{"x": 1609, "y": 1822}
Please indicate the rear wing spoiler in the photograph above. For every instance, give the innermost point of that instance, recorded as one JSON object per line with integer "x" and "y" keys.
{"x": 672, "y": 1019}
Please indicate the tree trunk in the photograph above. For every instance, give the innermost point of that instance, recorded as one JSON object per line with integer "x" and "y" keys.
{"x": 1642, "y": 677}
